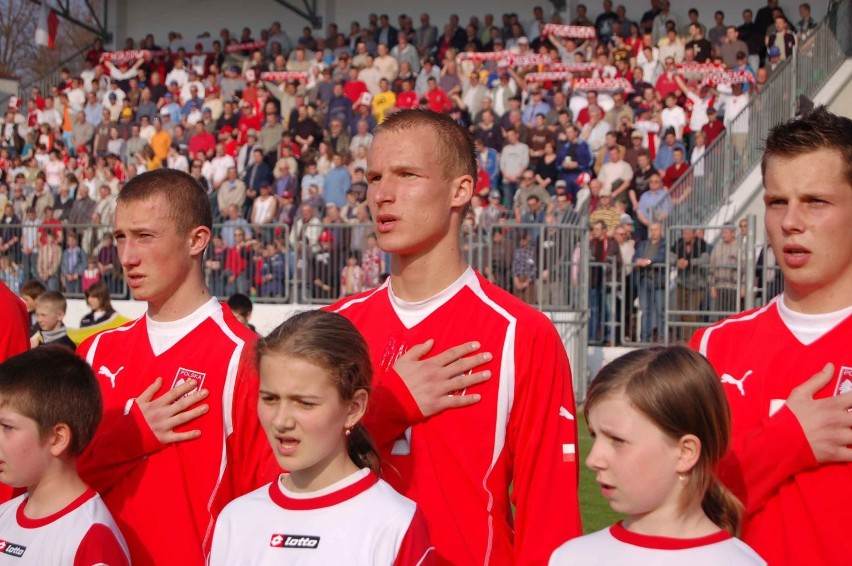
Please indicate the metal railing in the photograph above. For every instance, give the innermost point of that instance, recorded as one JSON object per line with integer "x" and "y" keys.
{"x": 726, "y": 162}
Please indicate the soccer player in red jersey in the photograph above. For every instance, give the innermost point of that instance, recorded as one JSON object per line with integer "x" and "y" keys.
{"x": 790, "y": 460}
{"x": 180, "y": 435}
{"x": 473, "y": 389}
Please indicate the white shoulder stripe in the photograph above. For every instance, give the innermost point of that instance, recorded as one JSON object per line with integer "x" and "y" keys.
{"x": 705, "y": 338}
{"x": 90, "y": 355}
{"x": 505, "y": 397}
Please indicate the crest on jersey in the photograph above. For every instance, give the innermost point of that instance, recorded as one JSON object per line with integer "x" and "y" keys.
{"x": 844, "y": 381}
{"x": 183, "y": 375}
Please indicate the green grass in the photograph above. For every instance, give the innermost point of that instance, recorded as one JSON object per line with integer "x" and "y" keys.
{"x": 593, "y": 507}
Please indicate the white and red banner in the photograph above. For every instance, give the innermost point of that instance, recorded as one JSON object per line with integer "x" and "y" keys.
{"x": 574, "y": 32}
{"x": 547, "y": 76}
{"x": 48, "y": 23}
{"x": 131, "y": 55}
{"x": 700, "y": 68}
{"x": 248, "y": 46}
{"x": 727, "y": 78}
{"x": 281, "y": 76}
{"x": 605, "y": 85}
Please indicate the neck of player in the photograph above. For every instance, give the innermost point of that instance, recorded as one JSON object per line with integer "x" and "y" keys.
{"x": 673, "y": 521}
{"x": 57, "y": 489}
{"x": 822, "y": 300}
{"x": 419, "y": 277}
{"x": 188, "y": 298}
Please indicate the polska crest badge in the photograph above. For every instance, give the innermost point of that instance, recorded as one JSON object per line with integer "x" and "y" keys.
{"x": 844, "y": 381}
{"x": 183, "y": 375}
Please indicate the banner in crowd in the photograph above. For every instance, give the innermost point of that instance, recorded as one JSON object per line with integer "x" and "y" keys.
{"x": 547, "y": 76}
{"x": 282, "y": 76}
{"x": 727, "y": 78}
{"x": 700, "y": 68}
{"x": 248, "y": 46}
{"x": 131, "y": 55}
{"x": 515, "y": 60}
{"x": 606, "y": 85}
{"x": 573, "y": 32}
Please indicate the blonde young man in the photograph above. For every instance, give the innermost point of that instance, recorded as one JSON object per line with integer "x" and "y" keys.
{"x": 473, "y": 388}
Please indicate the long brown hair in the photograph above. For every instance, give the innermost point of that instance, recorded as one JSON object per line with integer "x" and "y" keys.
{"x": 678, "y": 390}
{"x": 332, "y": 342}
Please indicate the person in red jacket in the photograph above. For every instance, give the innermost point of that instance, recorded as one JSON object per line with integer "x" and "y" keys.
{"x": 179, "y": 386}
{"x": 786, "y": 367}
{"x": 472, "y": 387}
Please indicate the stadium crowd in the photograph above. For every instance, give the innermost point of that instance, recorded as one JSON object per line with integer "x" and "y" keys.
{"x": 595, "y": 123}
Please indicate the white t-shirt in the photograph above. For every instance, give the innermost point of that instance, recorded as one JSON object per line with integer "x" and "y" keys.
{"x": 617, "y": 545}
{"x": 84, "y": 532}
{"x": 357, "y": 521}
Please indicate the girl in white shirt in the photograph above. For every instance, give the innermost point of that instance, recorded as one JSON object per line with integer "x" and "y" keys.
{"x": 660, "y": 423}
{"x": 331, "y": 507}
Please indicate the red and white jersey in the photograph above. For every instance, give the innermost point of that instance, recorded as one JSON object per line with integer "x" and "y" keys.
{"x": 617, "y": 545}
{"x": 82, "y": 534}
{"x": 165, "y": 497}
{"x": 797, "y": 511}
{"x": 458, "y": 465}
{"x": 358, "y": 521}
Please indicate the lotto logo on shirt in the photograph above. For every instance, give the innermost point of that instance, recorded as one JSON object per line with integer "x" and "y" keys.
{"x": 12, "y": 549}
{"x": 294, "y": 541}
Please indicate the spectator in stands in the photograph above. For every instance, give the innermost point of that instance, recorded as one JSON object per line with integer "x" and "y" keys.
{"x": 691, "y": 258}
{"x": 806, "y": 24}
{"x": 655, "y": 204}
{"x": 649, "y": 262}
{"x": 676, "y": 170}
{"x": 727, "y": 273}
{"x": 700, "y": 46}
{"x": 514, "y": 160}
{"x": 782, "y": 38}
{"x": 524, "y": 268}
{"x": 606, "y": 211}
{"x": 616, "y": 174}
{"x": 72, "y": 265}
{"x": 665, "y": 153}
{"x": 605, "y": 262}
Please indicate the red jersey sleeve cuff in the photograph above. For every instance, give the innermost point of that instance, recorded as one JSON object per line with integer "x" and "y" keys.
{"x": 148, "y": 441}
{"x": 399, "y": 390}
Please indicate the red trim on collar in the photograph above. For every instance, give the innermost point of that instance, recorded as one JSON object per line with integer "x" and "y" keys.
{"x": 664, "y": 543}
{"x": 327, "y": 500}
{"x": 27, "y": 523}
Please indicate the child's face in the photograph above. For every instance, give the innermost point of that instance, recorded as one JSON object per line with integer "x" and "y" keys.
{"x": 93, "y": 302}
{"x": 305, "y": 419}
{"x": 636, "y": 464}
{"x": 48, "y": 317}
{"x": 24, "y": 457}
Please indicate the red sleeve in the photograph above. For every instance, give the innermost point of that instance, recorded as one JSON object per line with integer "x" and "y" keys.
{"x": 391, "y": 410}
{"x": 416, "y": 547}
{"x": 117, "y": 449}
{"x": 762, "y": 457}
{"x": 100, "y": 546}
{"x": 251, "y": 462}
{"x": 542, "y": 444}
{"x": 14, "y": 338}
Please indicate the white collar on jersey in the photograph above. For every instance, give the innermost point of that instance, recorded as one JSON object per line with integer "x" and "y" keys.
{"x": 351, "y": 479}
{"x": 808, "y": 328}
{"x": 411, "y": 314}
{"x": 164, "y": 335}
